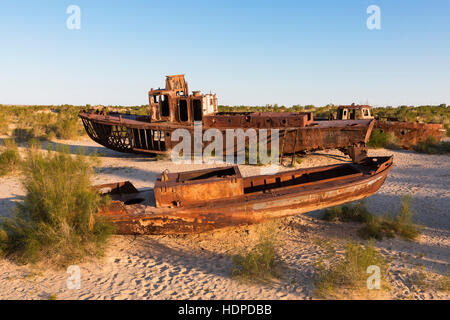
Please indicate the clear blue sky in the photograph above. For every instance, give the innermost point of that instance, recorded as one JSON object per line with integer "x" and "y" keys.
{"x": 248, "y": 52}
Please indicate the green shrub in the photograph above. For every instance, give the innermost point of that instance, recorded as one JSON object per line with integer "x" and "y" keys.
{"x": 53, "y": 296}
{"x": 443, "y": 283}
{"x": 9, "y": 158}
{"x": 68, "y": 125}
{"x": 402, "y": 224}
{"x": 261, "y": 263}
{"x": 355, "y": 213}
{"x": 58, "y": 219}
{"x": 430, "y": 146}
{"x": 23, "y": 134}
{"x": 377, "y": 227}
{"x": 379, "y": 139}
{"x": 4, "y": 122}
{"x": 346, "y": 275}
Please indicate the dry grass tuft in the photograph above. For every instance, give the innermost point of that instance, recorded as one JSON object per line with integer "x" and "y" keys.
{"x": 261, "y": 262}
{"x": 346, "y": 276}
{"x": 380, "y": 139}
{"x": 377, "y": 227}
{"x": 10, "y": 159}
{"x": 57, "y": 220}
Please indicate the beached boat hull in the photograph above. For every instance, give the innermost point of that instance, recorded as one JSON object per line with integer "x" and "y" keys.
{"x": 136, "y": 134}
{"x": 409, "y": 134}
{"x": 247, "y": 209}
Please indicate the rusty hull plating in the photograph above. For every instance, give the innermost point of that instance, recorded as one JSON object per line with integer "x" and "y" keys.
{"x": 173, "y": 107}
{"x": 203, "y": 200}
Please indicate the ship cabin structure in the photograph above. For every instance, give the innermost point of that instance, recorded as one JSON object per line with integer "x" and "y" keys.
{"x": 174, "y": 103}
{"x": 354, "y": 112}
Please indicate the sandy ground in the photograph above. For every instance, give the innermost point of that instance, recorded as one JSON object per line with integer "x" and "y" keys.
{"x": 198, "y": 266}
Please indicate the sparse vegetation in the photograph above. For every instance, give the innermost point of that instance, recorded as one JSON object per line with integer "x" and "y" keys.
{"x": 379, "y": 139}
{"x": 430, "y": 146}
{"x": 57, "y": 220}
{"x": 260, "y": 263}
{"x": 346, "y": 276}
{"x": 348, "y": 213}
{"x": 4, "y": 122}
{"x": 443, "y": 283}
{"x": 53, "y": 296}
{"x": 374, "y": 226}
{"x": 428, "y": 113}
{"x": 419, "y": 279}
{"x": 424, "y": 281}
{"x": 9, "y": 158}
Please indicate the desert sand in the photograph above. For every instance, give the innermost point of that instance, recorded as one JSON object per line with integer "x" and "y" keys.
{"x": 198, "y": 266}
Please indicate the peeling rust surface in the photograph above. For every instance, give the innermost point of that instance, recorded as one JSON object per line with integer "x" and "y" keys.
{"x": 244, "y": 200}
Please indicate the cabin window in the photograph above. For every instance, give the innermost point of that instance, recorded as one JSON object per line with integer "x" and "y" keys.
{"x": 345, "y": 114}
{"x": 155, "y": 99}
{"x": 183, "y": 110}
{"x": 197, "y": 108}
{"x": 165, "y": 110}
{"x": 365, "y": 112}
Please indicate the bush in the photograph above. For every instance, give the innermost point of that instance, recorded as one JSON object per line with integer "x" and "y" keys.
{"x": 348, "y": 273}
{"x": 23, "y": 134}
{"x": 430, "y": 146}
{"x": 67, "y": 125}
{"x": 9, "y": 158}
{"x": 261, "y": 262}
{"x": 4, "y": 122}
{"x": 377, "y": 227}
{"x": 402, "y": 224}
{"x": 57, "y": 220}
{"x": 443, "y": 283}
{"x": 379, "y": 139}
{"x": 355, "y": 213}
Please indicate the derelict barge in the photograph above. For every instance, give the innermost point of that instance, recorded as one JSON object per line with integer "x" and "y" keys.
{"x": 174, "y": 108}
{"x": 203, "y": 200}
{"x": 407, "y": 134}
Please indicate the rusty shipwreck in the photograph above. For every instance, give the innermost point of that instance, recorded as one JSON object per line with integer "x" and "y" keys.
{"x": 173, "y": 107}
{"x": 202, "y": 200}
{"x": 408, "y": 134}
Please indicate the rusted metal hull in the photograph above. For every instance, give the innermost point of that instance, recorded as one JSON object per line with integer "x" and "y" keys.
{"x": 409, "y": 134}
{"x": 257, "y": 204}
{"x": 129, "y": 133}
